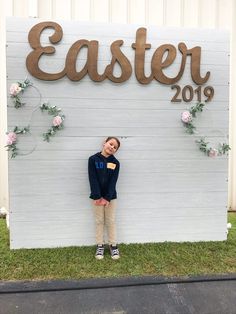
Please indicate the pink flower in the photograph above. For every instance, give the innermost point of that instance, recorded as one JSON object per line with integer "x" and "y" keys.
{"x": 57, "y": 121}
{"x": 213, "y": 152}
{"x": 15, "y": 89}
{"x": 11, "y": 138}
{"x": 186, "y": 117}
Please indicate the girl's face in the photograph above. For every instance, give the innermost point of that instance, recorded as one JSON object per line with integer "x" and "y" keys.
{"x": 110, "y": 147}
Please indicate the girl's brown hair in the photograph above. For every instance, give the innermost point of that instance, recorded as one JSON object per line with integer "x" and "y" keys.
{"x": 113, "y": 138}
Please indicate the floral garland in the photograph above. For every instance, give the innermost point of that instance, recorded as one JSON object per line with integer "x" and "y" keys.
{"x": 222, "y": 149}
{"x": 187, "y": 119}
{"x": 57, "y": 123}
{"x": 12, "y": 139}
{"x": 16, "y": 89}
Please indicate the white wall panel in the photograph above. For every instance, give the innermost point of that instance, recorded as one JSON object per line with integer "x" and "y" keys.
{"x": 61, "y": 9}
{"x": 4, "y": 199}
{"x": 173, "y": 13}
{"x": 136, "y": 11}
{"x": 187, "y": 13}
{"x": 33, "y": 8}
{"x": 8, "y": 7}
{"x": 224, "y": 14}
{"x": 20, "y": 8}
{"x": 232, "y": 163}
{"x": 118, "y": 11}
{"x": 45, "y": 9}
{"x": 155, "y": 12}
{"x": 100, "y": 10}
{"x": 190, "y": 13}
{"x": 80, "y": 10}
{"x": 208, "y": 13}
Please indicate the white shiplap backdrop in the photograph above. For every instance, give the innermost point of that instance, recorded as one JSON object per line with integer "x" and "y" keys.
{"x": 168, "y": 190}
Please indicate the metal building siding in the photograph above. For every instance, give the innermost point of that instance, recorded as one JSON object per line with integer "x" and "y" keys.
{"x": 187, "y": 13}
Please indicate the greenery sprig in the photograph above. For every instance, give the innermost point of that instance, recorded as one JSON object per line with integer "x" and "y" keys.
{"x": 12, "y": 139}
{"x": 222, "y": 148}
{"x": 187, "y": 119}
{"x": 57, "y": 122}
{"x": 16, "y": 89}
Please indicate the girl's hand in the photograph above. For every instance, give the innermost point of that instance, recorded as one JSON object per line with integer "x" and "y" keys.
{"x": 97, "y": 202}
{"x": 104, "y": 202}
{"x": 101, "y": 202}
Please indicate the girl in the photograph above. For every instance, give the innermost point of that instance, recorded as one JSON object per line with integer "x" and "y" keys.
{"x": 103, "y": 169}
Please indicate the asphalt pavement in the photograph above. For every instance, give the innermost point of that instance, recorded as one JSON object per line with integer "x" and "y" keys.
{"x": 133, "y": 295}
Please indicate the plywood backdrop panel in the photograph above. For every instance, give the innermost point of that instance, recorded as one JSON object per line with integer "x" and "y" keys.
{"x": 168, "y": 190}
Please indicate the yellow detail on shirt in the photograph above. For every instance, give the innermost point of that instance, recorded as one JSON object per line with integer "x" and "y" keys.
{"x": 110, "y": 165}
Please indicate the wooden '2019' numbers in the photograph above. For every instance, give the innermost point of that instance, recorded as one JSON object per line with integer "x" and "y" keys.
{"x": 187, "y": 93}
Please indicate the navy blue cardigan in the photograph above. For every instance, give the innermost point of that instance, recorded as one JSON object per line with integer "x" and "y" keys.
{"x": 103, "y": 174}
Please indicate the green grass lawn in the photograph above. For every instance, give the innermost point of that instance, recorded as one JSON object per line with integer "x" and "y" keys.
{"x": 160, "y": 259}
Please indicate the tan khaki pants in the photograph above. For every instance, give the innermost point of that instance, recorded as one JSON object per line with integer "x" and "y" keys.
{"x": 105, "y": 216}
